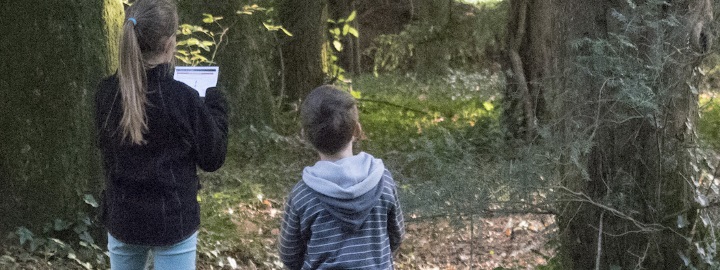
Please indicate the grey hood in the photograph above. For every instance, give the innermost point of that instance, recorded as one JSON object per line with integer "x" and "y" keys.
{"x": 348, "y": 188}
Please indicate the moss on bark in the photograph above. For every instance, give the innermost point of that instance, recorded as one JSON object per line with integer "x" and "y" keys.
{"x": 55, "y": 52}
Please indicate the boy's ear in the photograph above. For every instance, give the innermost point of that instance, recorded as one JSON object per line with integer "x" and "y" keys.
{"x": 359, "y": 134}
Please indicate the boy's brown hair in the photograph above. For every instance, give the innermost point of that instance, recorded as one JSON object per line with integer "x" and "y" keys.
{"x": 329, "y": 118}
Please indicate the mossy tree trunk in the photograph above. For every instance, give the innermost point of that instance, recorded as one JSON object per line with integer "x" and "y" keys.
{"x": 611, "y": 84}
{"x": 54, "y": 54}
{"x": 303, "y": 52}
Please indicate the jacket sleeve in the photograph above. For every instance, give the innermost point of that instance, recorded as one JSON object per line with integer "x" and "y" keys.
{"x": 210, "y": 127}
{"x": 396, "y": 223}
{"x": 292, "y": 247}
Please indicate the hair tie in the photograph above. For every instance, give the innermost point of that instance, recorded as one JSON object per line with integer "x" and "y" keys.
{"x": 132, "y": 20}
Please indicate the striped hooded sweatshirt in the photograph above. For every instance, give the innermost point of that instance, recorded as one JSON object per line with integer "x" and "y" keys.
{"x": 342, "y": 215}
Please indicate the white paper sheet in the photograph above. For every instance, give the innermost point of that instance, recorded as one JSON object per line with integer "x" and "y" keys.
{"x": 199, "y": 78}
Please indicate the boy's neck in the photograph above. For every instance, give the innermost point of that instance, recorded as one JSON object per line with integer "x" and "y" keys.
{"x": 344, "y": 153}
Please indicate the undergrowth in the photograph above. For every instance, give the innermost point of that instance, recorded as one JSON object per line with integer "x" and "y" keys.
{"x": 434, "y": 135}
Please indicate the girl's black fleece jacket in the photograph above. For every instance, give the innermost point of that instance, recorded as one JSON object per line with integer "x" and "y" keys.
{"x": 150, "y": 195}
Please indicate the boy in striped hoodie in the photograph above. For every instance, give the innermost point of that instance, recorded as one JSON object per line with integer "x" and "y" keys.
{"x": 345, "y": 212}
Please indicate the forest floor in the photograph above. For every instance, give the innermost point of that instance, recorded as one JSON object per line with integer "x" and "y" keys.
{"x": 509, "y": 242}
{"x": 518, "y": 241}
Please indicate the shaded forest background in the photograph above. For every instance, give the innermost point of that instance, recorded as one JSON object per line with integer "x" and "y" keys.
{"x": 600, "y": 117}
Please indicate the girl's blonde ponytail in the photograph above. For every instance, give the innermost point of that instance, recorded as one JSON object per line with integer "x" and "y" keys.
{"x": 131, "y": 77}
{"x": 145, "y": 34}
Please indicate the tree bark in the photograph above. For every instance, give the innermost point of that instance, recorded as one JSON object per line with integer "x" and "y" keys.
{"x": 611, "y": 82}
{"x": 54, "y": 54}
{"x": 528, "y": 61}
{"x": 303, "y": 51}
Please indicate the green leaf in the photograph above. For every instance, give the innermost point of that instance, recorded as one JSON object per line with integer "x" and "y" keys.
{"x": 352, "y": 16}
{"x": 335, "y": 31}
{"x": 89, "y": 199}
{"x": 331, "y": 21}
{"x": 345, "y": 30}
{"x": 199, "y": 58}
{"x": 85, "y": 236}
{"x": 685, "y": 259}
{"x": 186, "y": 29}
{"x": 61, "y": 225}
{"x": 202, "y": 46}
{"x": 80, "y": 228}
{"x": 701, "y": 199}
{"x": 85, "y": 219}
{"x": 632, "y": 4}
{"x": 356, "y": 94}
{"x": 270, "y": 27}
{"x": 208, "y": 18}
{"x": 682, "y": 221}
{"x": 192, "y": 41}
{"x": 354, "y": 32}
{"x": 24, "y": 234}
{"x": 183, "y": 59}
{"x": 338, "y": 46}
{"x": 286, "y": 31}
{"x": 488, "y": 106}
{"x": 196, "y": 28}
{"x": 183, "y": 52}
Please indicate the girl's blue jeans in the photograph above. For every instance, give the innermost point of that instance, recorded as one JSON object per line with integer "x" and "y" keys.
{"x": 179, "y": 256}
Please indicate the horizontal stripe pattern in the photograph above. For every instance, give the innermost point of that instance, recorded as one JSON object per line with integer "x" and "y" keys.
{"x": 311, "y": 238}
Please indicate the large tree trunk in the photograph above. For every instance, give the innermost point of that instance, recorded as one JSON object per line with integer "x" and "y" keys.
{"x": 618, "y": 80}
{"x": 303, "y": 51}
{"x": 54, "y": 54}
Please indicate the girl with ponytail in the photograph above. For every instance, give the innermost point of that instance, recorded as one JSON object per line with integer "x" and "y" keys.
{"x": 154, "y": 132}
